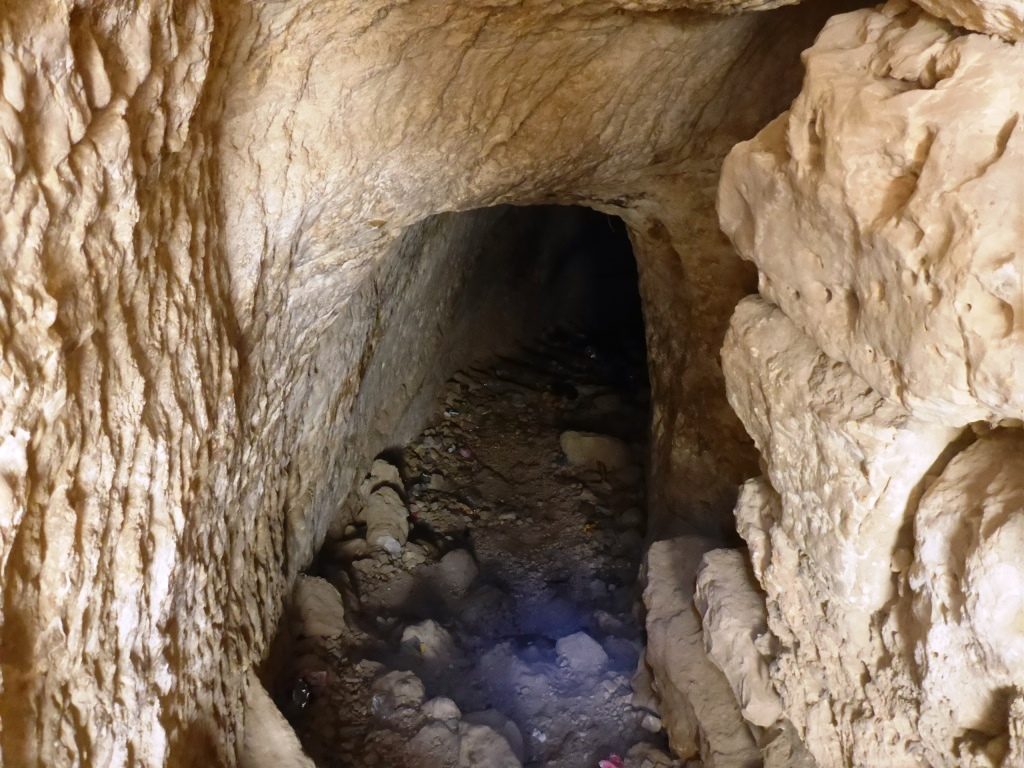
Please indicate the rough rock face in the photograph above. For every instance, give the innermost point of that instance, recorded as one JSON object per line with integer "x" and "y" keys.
{"x": 886, "y": 208}
{"x": 735, "y": 624}
{"x": 847, "y": 464}
{"x": 845, "y": 469}
{"x": 883, "y": 212}
{"x": 967, "y": 587}
{"x": 698, "y": 709}
{"x": 995, "y": 17}
{"x": 220, "y": 218}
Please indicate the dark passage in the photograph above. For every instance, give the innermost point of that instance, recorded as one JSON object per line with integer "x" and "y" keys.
{"x": 491, "y": 614}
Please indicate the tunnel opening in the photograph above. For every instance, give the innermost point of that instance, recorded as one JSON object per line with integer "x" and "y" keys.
{"x": 479, "y": 589}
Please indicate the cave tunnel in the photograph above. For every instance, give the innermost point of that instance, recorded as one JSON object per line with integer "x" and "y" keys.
{"x": 323, "y": 412}
{"x": 488, "y": 568}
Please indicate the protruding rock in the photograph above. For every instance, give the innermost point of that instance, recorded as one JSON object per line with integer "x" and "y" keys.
{"x": 442, "y": 708}
{"x": 268, "y": 740}
{"x": 844, "y": 460}
{"x": 382, "y": 473}
{"x": 430, "y": 641}
{"x": 885, "y": 210}
{"x": 1004, "y": 18}
{"x": 483, "y": 747}
{"x": 501, "y": 724}
{"x": 968, "y": 594}
{"x": 396, "y": 691}
{"x": 456, "y": 572}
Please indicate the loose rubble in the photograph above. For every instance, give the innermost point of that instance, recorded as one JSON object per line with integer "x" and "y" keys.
{"x": 489, "y": 569}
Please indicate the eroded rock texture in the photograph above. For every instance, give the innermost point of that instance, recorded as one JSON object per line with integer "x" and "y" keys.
{"x": 226, "y": 275}
{"x": 878, "y": 373}
{"x": 884, "y": 211}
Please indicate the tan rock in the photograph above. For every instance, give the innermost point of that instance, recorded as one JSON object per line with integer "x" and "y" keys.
{"x": 846, "y": 469}
{"x": 236, "y": 239}
{"x": 967, "y": 585}
{"x": 268, "y": 740}
{"x": 587, "y": 448}
{"x": 387, "y": 520}
{"x": 697, "y": 706}
{"x": 735, "y": 626}
{"x": 846, "y": 463}
{"x": 319, "y": 608}
{"x": 1004, "y": 18}
{"x": 381, "y": 473}
{"x": 885, "y": 211}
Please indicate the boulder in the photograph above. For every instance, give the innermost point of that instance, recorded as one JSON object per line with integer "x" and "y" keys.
{"x": 581, "y": 654}
{"x": 885, "y": 209}
{"x": 589, "y": 449}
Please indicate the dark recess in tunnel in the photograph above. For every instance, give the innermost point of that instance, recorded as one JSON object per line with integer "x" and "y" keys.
{"x": 547, "y": 335}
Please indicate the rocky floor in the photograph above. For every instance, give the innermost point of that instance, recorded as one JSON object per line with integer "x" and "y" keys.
{"x": 482, "y": 610}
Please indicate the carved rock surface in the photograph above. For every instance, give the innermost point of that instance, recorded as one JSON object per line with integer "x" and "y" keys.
{"x": 885, "y": 211}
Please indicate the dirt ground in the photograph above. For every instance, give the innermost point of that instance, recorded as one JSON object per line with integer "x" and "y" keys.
{"x": 508, "y": 621}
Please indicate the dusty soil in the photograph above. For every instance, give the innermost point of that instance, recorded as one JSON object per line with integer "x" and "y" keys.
{"x": 511, "y": 549}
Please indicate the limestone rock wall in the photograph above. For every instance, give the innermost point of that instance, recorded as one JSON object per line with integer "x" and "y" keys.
{"x": 118, "y": 420}
{"x": 878, "y": 373}
{"x": 214, "y": 225}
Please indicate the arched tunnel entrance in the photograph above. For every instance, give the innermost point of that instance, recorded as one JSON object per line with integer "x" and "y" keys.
{"x": 479, "y": 589}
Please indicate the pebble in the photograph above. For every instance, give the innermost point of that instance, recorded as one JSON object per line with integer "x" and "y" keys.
{"x": 651, "y": 723}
